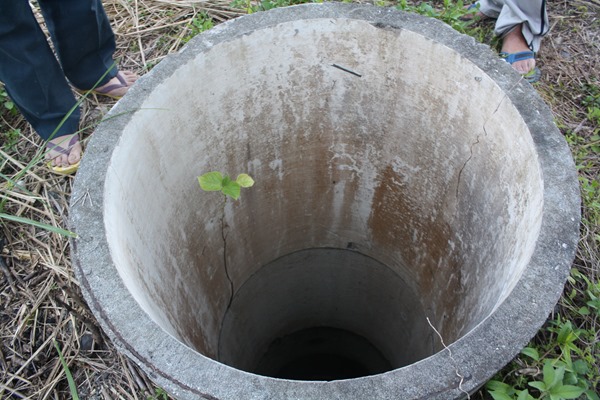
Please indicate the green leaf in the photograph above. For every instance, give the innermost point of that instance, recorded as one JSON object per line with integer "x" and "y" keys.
{"x": 524, "y": 395}
{"x": 591, "y": 395}
{"x": 570, "y": 378}
{"x": 41, "y": 225}
{"x": 211, "y": 181}
{"x": 72, "y": 386}
{"x": 580, "y": 367}
{"x": 568, "y": 391}
{"x": 559, "y": 377}
{"x": 541, "y": 386}
{"x": 498, "y": 386}
{"x": 549, "y": 375}
{"x": 500, "y": 396}
{"x": 231, "y": 188}
{"x": 244, "y": 180}
{"x": 531, "y": 352}
{"x": 566, "y": 334}
{"x": 584, "y": 311}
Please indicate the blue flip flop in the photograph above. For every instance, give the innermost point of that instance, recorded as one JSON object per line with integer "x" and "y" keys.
{"x": 473, "y": 6}
{"x": 531, "y": 76}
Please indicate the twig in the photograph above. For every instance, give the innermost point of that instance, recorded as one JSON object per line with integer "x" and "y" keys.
{"x": 135, "y": 374}
{"x": 12, "y": 392}
{"x": 105, "y": 393}
{"x": 86, "y": 321}
{"x": 5, "y": 269}
{"x": 346, "y": 70}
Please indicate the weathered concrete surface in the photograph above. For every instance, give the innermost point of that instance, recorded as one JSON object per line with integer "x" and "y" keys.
{"x": 386, "y": 135}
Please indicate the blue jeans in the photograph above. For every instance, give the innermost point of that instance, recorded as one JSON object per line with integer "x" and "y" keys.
{"x": 34, "y": 78}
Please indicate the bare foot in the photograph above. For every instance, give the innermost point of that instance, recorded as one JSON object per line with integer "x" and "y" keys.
{"x": 118, "y": 85}
{"x": 514, "y": 42}
{"x": 64, "y": 151}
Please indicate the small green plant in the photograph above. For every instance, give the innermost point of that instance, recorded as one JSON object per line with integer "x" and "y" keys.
{"x": 502, "y": 391}
{"x": 215, "y": 181}
{"x": 10, "y": 139}
{"x": 263, "y": 5}
{"x": 159, "y": 394}
{"x": 593, "y": 114}
{"x": 451, "y": 12}
{"x": 557, "y": 384}
{"x": 592, "y": 95}
{"x": 72, "y": 386}
{"x": 591, "y": 101}
{"x": 554, "y": 385}
{"x": 200, "y": 23}
{"x": 7, "y": 103}
{"x": 564, "y": 364}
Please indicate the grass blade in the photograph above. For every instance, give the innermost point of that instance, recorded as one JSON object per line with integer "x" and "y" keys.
{"x": 50, "y": 228}
{"x": 72, "y": 386}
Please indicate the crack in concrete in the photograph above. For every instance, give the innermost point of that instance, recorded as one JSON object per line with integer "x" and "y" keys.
{"x": 465, "y": 163}
{"x": 224, "y": 236}
{"x": 225, "y": 266}
{"x": 484, "y": 133}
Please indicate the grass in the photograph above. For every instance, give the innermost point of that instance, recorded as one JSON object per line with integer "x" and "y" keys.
{"x": 71, "y": 382}
{"x": 40, "y": 298}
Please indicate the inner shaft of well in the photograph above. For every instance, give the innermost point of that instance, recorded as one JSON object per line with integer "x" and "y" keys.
{"x": 389, "y": 198}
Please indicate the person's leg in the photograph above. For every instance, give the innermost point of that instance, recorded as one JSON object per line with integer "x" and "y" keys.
{"x": 530, "y": 15}
{"x": 83, "y": 39}
{"x": 515, "y": 43}
{"x": 522, "y": 23}
{"x": 85, "y": 61}
{"x": 34, "y": 80}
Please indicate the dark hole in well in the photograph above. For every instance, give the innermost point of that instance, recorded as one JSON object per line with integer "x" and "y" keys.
{"x": 322, "y": 354}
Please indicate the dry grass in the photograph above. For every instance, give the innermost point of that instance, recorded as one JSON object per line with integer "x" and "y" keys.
{"x": 39, "y": 296}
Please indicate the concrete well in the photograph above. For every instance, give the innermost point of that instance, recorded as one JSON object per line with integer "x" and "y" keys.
{"x": 409, "y": 188}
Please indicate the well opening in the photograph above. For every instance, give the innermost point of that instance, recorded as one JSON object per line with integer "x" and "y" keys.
{"x": 433, "y": 177}
{"x": 324, "y": 306}
{"x": 393, "y": 204}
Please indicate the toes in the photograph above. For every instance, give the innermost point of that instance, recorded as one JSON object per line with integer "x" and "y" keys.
{"x": 61, "y": 161}
{"x": 57, "y": 153}
{"x": 130, "y": 77}
{"x": 75, "y": 154}
{"x": 524, "y": 66}
{"x": 74, "y": 158}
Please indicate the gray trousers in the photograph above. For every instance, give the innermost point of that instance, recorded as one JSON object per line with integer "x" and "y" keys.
{"x": 508, "y": 13}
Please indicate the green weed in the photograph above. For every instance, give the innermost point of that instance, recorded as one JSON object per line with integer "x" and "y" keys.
{"x": 159, "y": 394}
{"x": 561, "y": 378}
{"x": 10, "y": 139}
{"x": 200, "y": 23}
{"x": 216, "y": 182}
{"x": 451, "y": 12}
{"x": 591, "y": 101}
{"x": 72, "y": 386}
{"x": 264, "y": 5}
{"x": 6, "y": 102}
